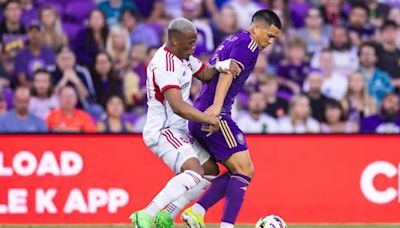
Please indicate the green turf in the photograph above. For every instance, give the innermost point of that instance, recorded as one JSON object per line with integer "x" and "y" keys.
{"x": 216, "y": 226}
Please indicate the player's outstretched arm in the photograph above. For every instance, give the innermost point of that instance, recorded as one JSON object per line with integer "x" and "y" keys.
{"x": 225, "y": 66}
{"x": 186, "y": 111}
{"x": 223, "y": 85}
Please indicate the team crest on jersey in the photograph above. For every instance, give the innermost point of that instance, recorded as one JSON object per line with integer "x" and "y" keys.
{"x": 240, "y": 138}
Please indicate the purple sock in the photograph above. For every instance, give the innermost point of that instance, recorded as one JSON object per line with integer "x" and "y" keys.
{"x": 235, "y": 192}
{"x": 215, "y": 192}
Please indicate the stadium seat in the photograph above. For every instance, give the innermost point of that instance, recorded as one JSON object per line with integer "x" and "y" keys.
{"x": 78, "y": 11}
{"x": 71, "y": 29}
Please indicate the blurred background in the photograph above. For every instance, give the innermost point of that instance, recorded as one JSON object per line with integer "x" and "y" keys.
{"x": 80, "y": 65}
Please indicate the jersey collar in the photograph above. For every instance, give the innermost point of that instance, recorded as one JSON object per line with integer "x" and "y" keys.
{"x": 167, "y": 50}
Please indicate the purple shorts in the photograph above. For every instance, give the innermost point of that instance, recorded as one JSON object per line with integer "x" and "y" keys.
{"x": 223, "y": 143}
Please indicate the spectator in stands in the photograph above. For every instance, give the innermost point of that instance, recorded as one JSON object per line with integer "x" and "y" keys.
{"x": 293, "y": 70}
{"x": 387, "y": 121}
{"x": 314, "y": 93}
{"x": 104, "y": 78}
{"x": 53, "y": 34}
{"x": 377, "y": 12}
{"x": 388, "y": 53}
{"x": 113, "y": 9}
{"x": 3, "y": 105}
{"x": 335, "y": 119}
{"x": 152, "y": 10}
{"x": 255, "y": 120}
{"x": 12, "y": 32}
{"x": 315, "y": 34}
{"x": 299, "y": 119}
{"x": 357, "y": 102}
{"x": 33, "y": 57}
{"x": 334, "y": 84}
{"x": 244, "y": 10}
{"x": 20, "y": 119}
{"x": 43, "y": 98}
{"x": 114, "y": 122}
{"x": 91, "y": 39}
{"x": 193, "y": 11}
{"x": 332, "y": 12}
{"x": 67, "y": 72}
{"x": 7, "y": 69}
{"x": 139, "y": 32}
{"x": 378, "y": 82}
{"x": 29, "y": 11}
{"x": 275, "y": 106}
{"x": 225, "y": 23}
{"x": 68, "y": 118}
{"x": 298, "y": 12}
{"x": 394, "y": 15}
{"x": 359, "y": 28}
{"x": 345, "y": 58}
{"x": 118, "y": 46}
{"x": 281, "y": 9}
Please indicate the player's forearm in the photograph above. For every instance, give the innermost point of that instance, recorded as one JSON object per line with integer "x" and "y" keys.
{"x": 188, "y": 112}
{"x": 207, "y": 74}
{"x": 223, "y": 85}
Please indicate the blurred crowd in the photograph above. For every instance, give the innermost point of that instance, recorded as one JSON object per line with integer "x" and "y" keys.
{"x": 80, "y": 65}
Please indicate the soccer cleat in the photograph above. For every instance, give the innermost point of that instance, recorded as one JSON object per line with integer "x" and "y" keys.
{"x": 192, "y": 219}
{"x": 164, "y": 220}
{"x": 141, "y": 219}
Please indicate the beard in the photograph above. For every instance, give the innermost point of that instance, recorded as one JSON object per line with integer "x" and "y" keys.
{"x": 389, "y": 115}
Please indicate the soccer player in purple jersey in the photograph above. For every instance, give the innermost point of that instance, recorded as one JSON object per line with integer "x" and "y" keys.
{"x": 228, "y": 145}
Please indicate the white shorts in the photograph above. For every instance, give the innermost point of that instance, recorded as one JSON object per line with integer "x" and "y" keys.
{"x": 175, "y": 147}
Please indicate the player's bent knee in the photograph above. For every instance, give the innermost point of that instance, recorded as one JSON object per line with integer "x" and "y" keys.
{"x": 210, "y": 168}
{"x": 193, "y": 164}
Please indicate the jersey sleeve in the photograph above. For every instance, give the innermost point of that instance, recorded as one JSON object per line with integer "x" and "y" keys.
{"x": 244, "y": 52}
{"x": 197, "y": 65}
{"x": 165, "y": 79}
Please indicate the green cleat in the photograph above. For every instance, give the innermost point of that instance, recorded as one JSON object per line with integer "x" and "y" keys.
{"x": 164, "y": 220}
{"x": 192, "y": 219}
{"x": 141, "y": 219}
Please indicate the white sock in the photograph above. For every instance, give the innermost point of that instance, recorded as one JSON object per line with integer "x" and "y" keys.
{"x": 226, "y": 225}
{"x": 175, "y": 207}
{"x": 198, "y": 209}
{"x": 175, "y": 188}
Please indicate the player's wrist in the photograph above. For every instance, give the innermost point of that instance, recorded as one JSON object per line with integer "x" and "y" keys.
{"x": 223, "y": 66}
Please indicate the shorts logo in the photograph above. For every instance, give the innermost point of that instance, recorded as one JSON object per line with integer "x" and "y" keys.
{"x": 240, "y": 138}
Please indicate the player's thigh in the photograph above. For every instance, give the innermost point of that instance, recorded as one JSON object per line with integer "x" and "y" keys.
{"x": 176, "y": 150}
{"x": 210, "y": 167}
{"x": 240, "y": 162}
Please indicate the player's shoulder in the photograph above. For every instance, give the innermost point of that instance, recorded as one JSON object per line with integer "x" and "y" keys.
{"x": 244, "y": 40}
{"x": 165, "y": 60}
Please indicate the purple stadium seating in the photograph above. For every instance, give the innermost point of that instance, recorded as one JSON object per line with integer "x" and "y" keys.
{"x": 78, "y": 10}
{"x": 71, "y": 29}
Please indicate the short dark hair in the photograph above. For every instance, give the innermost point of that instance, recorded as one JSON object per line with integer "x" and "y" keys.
{"x": 267, "y": 16}
{"x": 360, "y": 6}
{"x": 367, "y": 44}
{"x": 388, "y": 24}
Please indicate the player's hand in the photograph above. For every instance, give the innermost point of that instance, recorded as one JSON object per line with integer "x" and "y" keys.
{"x": 234, "y": 68}
{"x": 213, "y": 111}
{"x": 212, "y": 127}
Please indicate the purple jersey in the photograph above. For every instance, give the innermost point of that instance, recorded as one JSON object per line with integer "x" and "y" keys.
{"x": 242, "y": 48}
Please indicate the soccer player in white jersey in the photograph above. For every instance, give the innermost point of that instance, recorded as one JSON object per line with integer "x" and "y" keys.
{"x": 169, "y": 76}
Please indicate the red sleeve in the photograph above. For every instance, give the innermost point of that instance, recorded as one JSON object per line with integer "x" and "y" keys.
{"x": 199, "y": 70}
{"x": 169, "y": 87}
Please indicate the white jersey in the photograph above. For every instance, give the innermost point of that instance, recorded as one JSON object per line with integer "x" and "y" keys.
{"x": 166, "y": 71}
